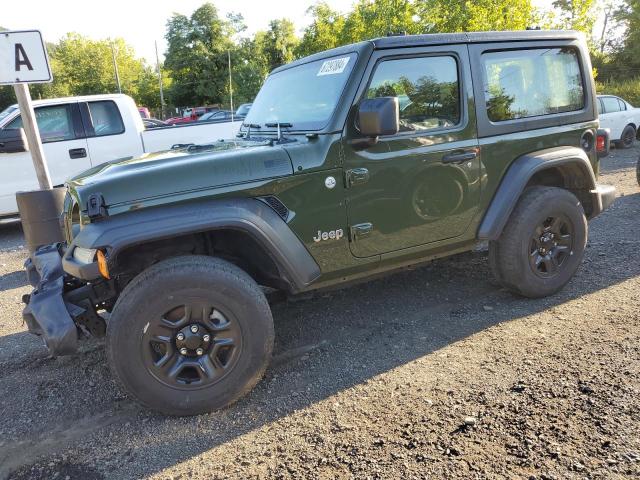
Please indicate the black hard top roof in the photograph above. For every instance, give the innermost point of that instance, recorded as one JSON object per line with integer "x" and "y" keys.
{"x": 474, "y": 37}
{"x": 398, "y": 41}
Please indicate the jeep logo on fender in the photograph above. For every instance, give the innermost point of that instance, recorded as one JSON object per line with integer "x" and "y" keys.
{"x": 331, "y": 235}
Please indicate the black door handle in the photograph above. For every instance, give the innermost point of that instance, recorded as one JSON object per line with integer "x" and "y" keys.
{"x": 459, "y": 157}
{"x": 77, "y": 153}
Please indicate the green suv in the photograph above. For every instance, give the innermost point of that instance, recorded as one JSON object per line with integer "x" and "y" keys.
{"x": 351, "y": 162}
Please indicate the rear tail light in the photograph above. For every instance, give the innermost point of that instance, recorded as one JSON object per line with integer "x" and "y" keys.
{"x": 600, "y": 143}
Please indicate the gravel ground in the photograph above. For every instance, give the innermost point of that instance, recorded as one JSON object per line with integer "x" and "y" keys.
{"x": 432, "y": 372}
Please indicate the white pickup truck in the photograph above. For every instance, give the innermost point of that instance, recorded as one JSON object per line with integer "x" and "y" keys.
{"x": 82, "y": 132}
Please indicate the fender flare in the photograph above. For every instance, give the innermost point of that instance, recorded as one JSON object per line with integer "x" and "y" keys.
{"x": 252, "y": 216}
{"x": 518, "y": 175}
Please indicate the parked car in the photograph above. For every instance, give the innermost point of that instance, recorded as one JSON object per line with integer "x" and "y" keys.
{"x": 144, "y": 112}
{"x": 192, "y": 114}
{"x": 620, "y": 117}
{"x": 82, "y": 132}
{"x": 154, "y": 123}
{"x": 497, "y": 144}
{"x": 217, "y": 116}
{"x": 243, "y": 110}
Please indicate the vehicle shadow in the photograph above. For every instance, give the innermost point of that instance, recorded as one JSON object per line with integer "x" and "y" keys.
{"x": 12, "y": 280}
{"x": 325, "y": 344}
{"x": 11, "y": 235}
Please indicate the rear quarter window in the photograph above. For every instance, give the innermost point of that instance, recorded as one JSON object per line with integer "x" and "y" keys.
{"x": 532, "y": 82}
{"x": 105, "y": 118}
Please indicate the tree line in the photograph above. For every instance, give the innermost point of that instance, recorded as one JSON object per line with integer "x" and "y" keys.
{"x": 200, "y": 47}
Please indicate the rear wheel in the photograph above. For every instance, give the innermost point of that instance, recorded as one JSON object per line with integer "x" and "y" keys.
{"x": 628, "y": 137}
{"x": 190, "y": 335}
{"x": 542, "y": 245}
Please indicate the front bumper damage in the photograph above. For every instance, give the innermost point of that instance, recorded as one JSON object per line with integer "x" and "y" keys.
{"x": 60, "y": 308}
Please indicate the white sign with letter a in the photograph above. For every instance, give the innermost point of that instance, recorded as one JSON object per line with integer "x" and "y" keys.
{"x": 23, "y": 58}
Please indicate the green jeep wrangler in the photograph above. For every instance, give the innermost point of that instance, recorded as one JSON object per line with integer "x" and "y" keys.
{"x": 351, "y": 162}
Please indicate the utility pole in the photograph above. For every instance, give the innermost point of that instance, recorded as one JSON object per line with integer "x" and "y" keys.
{"x": 230, "y": 84}
{"x": 115, "y": 67}
{"x": 160, "y": 80}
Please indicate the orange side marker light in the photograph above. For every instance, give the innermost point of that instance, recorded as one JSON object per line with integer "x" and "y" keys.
{"x": 102, "y": 265}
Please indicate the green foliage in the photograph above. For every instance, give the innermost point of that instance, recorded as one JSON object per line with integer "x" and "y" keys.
{"x": 82, "y": 66}
{"x": 377, "y": 19}
{"x": 627, "y": 89}
{"x": 479, "y": 15}
{"x": 576, "y": 15}
{"x": 197, "y": 57}
{"x": 278, "y": 44}
{"x": 324, "y": 32}
{"x": 370, "y": 19}
{"x": 627, "y": 56}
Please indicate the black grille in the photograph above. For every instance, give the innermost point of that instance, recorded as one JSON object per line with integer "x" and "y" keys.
{"x": 277, "y": 205}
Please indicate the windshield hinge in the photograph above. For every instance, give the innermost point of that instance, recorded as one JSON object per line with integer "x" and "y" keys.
{"x": 95, "y": 206}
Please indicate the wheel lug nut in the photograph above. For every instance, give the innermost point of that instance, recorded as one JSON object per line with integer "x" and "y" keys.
{"x": 183, "y": 351}
{"x": 194, "y": 328}
{"x": 199, "y": 351}
{"x": 206, "y": 338}
{"x": 180, "y": 336}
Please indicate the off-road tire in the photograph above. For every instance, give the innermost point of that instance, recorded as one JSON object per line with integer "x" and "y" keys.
{"x": 509, "y": 256}
{"x": 189, "y": 279}
{"x": 627, "y": 138}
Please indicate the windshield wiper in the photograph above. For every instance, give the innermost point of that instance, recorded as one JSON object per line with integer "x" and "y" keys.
{"x": 279, "y": 125}
{"x": 249, "y": 127}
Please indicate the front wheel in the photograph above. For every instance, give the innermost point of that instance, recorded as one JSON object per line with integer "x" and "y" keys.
{"x": 190, "y": 335}
{"x": 543, "y": 243}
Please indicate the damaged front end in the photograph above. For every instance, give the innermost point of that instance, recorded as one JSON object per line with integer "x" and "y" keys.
{"x": 61, "y": 307}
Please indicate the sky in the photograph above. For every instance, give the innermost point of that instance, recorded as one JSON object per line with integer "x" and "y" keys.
{"x": 141, "y": 22}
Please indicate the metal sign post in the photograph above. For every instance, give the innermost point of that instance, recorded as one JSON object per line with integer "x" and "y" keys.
{"x": 23, "y": 60}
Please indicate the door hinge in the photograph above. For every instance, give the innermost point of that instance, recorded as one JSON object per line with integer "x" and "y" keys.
{"x": 361, "y": 230}
{"x": 357, "y": 176}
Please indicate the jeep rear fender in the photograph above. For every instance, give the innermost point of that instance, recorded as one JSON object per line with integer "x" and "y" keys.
{"x": 577, "y": 174}
{"x": 251, "y": 216}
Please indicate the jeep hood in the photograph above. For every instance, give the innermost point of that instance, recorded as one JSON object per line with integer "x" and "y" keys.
{"x": 189, "y": 169}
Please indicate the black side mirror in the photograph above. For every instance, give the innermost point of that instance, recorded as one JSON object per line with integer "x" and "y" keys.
{"x": 379, "y": 116}
{"x": 13, "y": 140}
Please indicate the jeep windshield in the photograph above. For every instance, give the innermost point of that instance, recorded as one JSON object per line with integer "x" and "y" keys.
{"x": 304, "y": 96}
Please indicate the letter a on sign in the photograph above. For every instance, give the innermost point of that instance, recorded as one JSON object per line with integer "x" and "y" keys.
{"x": 23, "y": 58}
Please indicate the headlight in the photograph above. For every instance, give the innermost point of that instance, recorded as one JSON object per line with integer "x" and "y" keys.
{"x": 84, "y": 255}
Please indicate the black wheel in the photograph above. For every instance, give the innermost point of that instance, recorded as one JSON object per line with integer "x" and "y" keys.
{"x": 628, "y": 137}
{"x": 190, "y": 335}
{"x": 543, "y": 243}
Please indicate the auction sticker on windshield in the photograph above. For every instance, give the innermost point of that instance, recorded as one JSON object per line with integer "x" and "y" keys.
{"x": 332, "y": 67}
